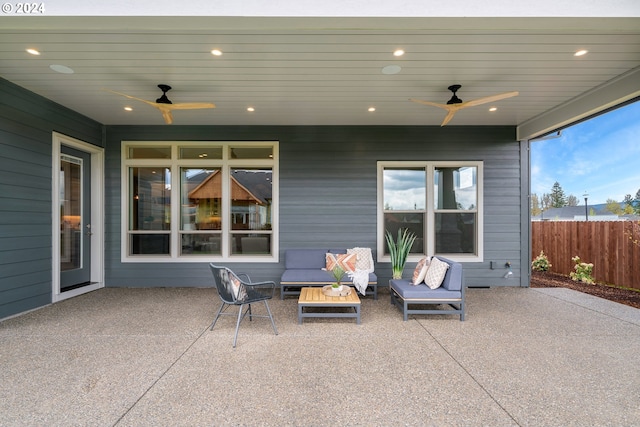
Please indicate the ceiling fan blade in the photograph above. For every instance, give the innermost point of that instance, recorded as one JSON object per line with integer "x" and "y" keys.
{"x": 433, "y": 104}
{"x": 168, "y": 118}
{"x": 449, "y": 116}
{"x": 487, "y": 99}
{"x": 131, "y": 97}
{"x": 190, "y": 105}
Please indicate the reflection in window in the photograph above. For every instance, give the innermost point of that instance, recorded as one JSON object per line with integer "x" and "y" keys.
{"x": 251, "y": 198}
{"x": 450, "y": 223}
{"x": 201, "y": 199}
{"x": 150, "y": 209}
{"x": 404, "y": 194}
{"x": 223, "y": 209}
{"x": 150, "y": 198}
{"x": 456, "y": 188}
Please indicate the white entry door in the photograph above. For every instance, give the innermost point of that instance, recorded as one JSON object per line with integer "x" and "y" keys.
{"x": 77, "y": 218}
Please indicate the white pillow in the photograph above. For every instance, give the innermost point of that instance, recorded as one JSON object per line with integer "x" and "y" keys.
{"x": 364, "y": 258}
{"x": 436, "y": 272}
{"x": 420, "y": 271}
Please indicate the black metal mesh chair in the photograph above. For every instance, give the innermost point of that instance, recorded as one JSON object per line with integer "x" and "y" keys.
{"x": 235, "y": 291}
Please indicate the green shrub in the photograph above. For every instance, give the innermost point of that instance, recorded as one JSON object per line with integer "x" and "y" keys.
{"x": 541, "y": 263}
{"x": 583, "y": 271}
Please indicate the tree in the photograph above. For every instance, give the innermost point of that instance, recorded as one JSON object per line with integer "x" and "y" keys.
{"x": 632, "y": 204}
{"x": 558, "y": 199}
{"x": 613, "y": 207}
{"x": 546, "y": 202}
{"x": 572, "y": 200}
{"x": 535, "y": 205}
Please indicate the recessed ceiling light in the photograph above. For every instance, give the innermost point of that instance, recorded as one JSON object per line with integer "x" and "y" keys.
{"x": 63, "y": 69}
{"x": 251, "y": 109}
{"x": 398, "y": 52}
{"x": 216, "y": 52}
{"x": 391, "y": 69}
{"x": 493, "y": 109}
{"x": 371, "y": 109}
{"x": 128, "y": 109}
{"x": 33, "y": 51}
{"x": 581, "y": 52}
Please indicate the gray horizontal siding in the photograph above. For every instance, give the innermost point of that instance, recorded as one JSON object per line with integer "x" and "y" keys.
{"x": 328, "y": 192}
{"x": 26, "y": 125}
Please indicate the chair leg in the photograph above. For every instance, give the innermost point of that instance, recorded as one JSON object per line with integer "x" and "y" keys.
{"x": 271, "y": 317}
{"x": 217, "y": 316}
{"x": 235, "y": 337}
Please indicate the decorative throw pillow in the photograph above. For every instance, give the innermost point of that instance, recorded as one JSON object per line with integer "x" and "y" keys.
{"x": 363, "y": 258}
{"x": 346, "y": 261}
{"x": 420, "y": 271}
{"x": 436, "y": 272}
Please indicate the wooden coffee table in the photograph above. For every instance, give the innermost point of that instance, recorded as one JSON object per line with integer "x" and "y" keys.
{"x": 314, "y": 297}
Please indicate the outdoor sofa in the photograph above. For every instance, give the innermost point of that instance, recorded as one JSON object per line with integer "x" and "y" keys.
{"x": 420, "y": 299}
{"x": 306, "y": 268}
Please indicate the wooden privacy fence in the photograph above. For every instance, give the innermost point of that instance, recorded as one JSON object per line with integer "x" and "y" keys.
{"x": 613, "y": 247}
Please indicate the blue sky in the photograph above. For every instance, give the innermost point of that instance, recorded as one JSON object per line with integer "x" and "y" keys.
{"x": 600, "y": 156}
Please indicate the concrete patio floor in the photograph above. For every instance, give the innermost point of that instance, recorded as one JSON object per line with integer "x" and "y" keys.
{"x": 145, "y": 357}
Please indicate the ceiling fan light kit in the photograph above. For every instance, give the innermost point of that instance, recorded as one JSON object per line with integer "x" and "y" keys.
{"x": 455, "y": 103}
{"x": 165, "y": 105}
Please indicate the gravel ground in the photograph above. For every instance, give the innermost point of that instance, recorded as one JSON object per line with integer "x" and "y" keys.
{"x": 554, "y": 280}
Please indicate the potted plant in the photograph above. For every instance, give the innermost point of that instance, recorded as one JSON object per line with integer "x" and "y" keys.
{"x": 399, "y": 250}
{"x": 337, "y": 273}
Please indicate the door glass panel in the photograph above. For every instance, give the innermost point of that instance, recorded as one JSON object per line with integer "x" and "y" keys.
{"x": 70, "y": 213}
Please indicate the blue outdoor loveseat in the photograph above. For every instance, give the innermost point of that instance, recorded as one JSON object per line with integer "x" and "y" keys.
{"x": 304, "y": 268}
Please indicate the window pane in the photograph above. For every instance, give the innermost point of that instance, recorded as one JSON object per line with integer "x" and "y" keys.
{"x": 149, "y": 152}
{"x": 456, "y": 188}
{"x": 149, "y": 244}
{"x": 404, "y": 189}
{"x": 201, "y": 152}
{"x": 250, "y": 152}
{"x": 201, "y": 244}
{"x": 201, "y": 199}
{"x": 251, "y": 244}
{"x": 456, "y": 233}
{"x": 150, "y": 198}
{"x": 414, "y": 222}
{"x": 251, "y": 199}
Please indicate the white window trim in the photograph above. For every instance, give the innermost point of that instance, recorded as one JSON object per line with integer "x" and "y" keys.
{"x": 225, "y": 164}
{"x": 430, "y": 167}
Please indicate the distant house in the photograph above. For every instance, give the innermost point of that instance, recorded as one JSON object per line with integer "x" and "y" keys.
{"x": 578, "y": 213}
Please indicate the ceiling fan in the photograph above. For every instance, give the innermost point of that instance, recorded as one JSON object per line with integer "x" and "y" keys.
{"x": 455, "y": 103}
{"x": 166, "y": 106}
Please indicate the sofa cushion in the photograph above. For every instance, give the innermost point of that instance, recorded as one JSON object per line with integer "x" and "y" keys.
{"x": 406, "y": 290}
{"x": 305, "y": 258}
{"x": 420, "y": 271}
{"x": 346, "y": 261}
{"x": 318, "y": 276}
{"x": 435, "y": 273}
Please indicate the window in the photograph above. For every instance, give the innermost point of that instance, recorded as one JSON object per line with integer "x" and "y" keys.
{"x": 440, "y": 202}
{"x": 224, "y": 206}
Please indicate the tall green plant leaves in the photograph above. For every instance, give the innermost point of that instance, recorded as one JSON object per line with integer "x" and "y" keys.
{"x": 399, "y": 250}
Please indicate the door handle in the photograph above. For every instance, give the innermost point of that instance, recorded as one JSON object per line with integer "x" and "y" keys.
{"x": 88, "y": 232}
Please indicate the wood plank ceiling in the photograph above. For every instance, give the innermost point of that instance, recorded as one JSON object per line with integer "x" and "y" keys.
{"x": 316, "y": 72}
